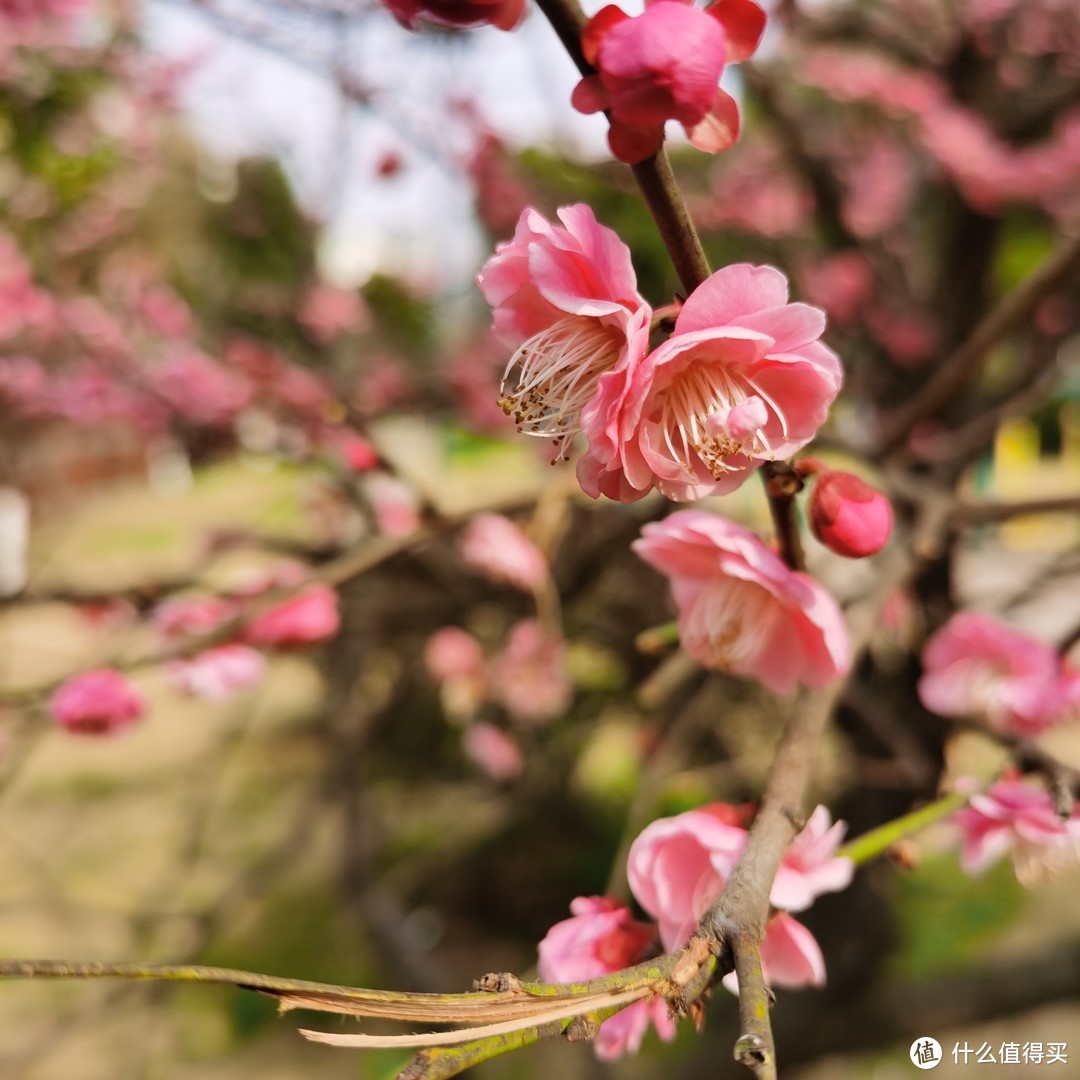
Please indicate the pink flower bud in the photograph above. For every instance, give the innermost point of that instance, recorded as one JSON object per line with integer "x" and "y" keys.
{"x": 493, "y": 751}
{"x": 848, "y": 516}
{"x": 497, "y": 548}
{"x": 309, "y": 617}
{"x": 100, "y": 702}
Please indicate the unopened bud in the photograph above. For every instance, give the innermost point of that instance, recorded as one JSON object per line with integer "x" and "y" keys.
{"x": 848, "y": 516}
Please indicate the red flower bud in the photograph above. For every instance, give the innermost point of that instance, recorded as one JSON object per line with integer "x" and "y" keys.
{"x": 848, "y": 516}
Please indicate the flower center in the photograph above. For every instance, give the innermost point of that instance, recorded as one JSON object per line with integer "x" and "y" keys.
{"x": 710, "y": 416}
{"x": 556, "y": 374}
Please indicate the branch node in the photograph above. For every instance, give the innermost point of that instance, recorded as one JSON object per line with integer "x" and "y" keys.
{"x": 497, "y": 982}
{"x": 751, "y": 1051}
{"x": 581, "y": 1029}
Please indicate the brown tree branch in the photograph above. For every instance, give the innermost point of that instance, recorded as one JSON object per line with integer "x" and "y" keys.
{"x": 964, "y": 364}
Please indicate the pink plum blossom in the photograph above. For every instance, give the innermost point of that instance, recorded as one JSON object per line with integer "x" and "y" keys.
{"x": 306, "y": 619}
{"x": 100, "y": 702}
{"x": 741, "y": 609}
{"x": 457, "y": 14}
{"x": 218, "y": 673}
{"x": 849, "y": 516}
{"x": 742, "y": 380}
{"x": 678, "y": 866}
{"x": 665, "y": 64}
{"x": 351, "y": 449}
{"x": 1018, "y": 819}
{"x": 394, "y": 504}
{"x": 976, "y": 666}
{"x": 496, "y": 547}
{"x": 455, "y": 661}
{"x": 494, "y": 752}
{"x": 529, "y": 678}
{"x": 188, "y": 615}
{"x": 565, "y": 297}
{"x": 810, "y": 866}
{"x": 602, "y": 937}
{"x": 327, "y": 312}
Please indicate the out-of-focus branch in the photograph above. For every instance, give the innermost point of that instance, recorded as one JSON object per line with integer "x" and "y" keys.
{"x": 964, "y": 364}
{"x": 990, "y": 513}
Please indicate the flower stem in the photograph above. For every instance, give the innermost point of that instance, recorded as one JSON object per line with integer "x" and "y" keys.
{"x": 877, "y": 841}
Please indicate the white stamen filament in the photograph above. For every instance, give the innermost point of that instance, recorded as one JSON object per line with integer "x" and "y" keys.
{"x": 698, "y": 393}
{"x": 557, "y": 373}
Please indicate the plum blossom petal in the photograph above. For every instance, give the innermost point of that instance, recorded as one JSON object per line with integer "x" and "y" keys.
{"x": 602, "y": 937}
{"x": 741, "y": 609}
{"x": 810, "y": 866}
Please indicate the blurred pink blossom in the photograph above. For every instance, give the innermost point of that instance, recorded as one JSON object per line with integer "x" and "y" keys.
{"x": 327, "y": 312}
{"x": 975, "y": 666}
{"x": 1017, "y": 819}
{"x": 602, "y": 936}
{"x": 394, "y": 504}
{"x": 455, "y": 661}
{"x": 565, "y": 297}
{"x": 306, "y": 619}
{"x": 199, "y": 390}
{"x": 100, "y": 702}
{"x": 880, "y": 184}
{"x": 665, "y": 64}
{"x": 191, "y": 615}
{"x": 753, "y": 190}
{"x": 459, "y": 14}
{"x": 496, "y": 547}
{"x": 849, "y": 516}
{"x": 741, "y": 609}
{"x": 839, "y": 283}
{"x": 529, "y": 677}
{"x": 742, "y": 380}
{"x": 493, "y": 751}
{"x": 218, "y": 673}
{"x": 351, "y": 448}
{"x": 452, "y": 653}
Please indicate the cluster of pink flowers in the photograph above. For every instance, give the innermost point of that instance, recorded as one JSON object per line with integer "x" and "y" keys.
{"x": 527, "y": 677}
{"x": 676, "y": 868}
{"x": 987, "y": 170}
{"x": 742, "y": 380}
{"x": 665, "y": 64}
{"x": 978, "y": 668}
